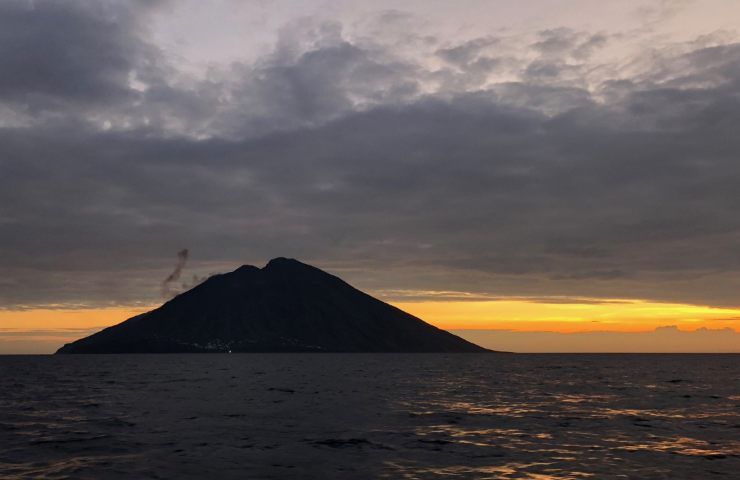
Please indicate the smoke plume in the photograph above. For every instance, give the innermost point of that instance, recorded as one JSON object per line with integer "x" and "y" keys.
{"x": 182, "y": 258}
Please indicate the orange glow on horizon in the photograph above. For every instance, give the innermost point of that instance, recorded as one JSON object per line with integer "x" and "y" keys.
{"x": 617, "y": 315}
{"x": 51, "y": 319}
{"x": 517, "y": 315}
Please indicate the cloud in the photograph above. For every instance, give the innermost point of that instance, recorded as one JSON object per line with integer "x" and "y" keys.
{"x": 505, "y": 166}
{"x": 665, "y": 339}
{"x": 564, "y": 43}
{"x": 668, "y": 339}
{"x": 39, "y": 341}
{"x": 61, "y": 57}
{"x": 10, "y": 333}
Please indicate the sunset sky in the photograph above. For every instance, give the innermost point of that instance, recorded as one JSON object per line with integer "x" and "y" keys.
{"x": 540, "y": 175}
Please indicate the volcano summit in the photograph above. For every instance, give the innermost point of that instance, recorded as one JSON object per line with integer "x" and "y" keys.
{"x": 287, "y": 306}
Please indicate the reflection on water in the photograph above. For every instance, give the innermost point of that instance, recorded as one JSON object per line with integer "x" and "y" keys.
{"x": 513, "y": 470}
{"x": 683, "y": 446}
{"x": 370, "y": 416}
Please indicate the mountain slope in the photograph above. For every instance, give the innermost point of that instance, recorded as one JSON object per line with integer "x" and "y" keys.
{"x": 287, "y": 306}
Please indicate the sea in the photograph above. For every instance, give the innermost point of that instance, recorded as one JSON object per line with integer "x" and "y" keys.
{"x": 367, "y": 416}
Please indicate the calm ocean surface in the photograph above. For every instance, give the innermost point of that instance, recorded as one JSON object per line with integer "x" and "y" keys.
{"x": 370, "y": 416}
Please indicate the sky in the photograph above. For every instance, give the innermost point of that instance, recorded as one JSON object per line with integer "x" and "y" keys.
{"x": 538, "y": 175}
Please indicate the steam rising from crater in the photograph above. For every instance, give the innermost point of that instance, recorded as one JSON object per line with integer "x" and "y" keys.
{"x": 182, "y": 259}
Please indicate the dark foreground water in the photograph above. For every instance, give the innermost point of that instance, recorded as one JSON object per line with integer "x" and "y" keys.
{"x": 370, "y": 416}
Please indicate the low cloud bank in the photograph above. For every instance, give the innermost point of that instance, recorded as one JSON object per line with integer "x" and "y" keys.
{"x": 16, "y": 341}
{"x": 669, "y": 339}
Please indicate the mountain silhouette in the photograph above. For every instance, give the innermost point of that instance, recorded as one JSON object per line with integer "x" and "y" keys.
{"x": 287, "y": 306}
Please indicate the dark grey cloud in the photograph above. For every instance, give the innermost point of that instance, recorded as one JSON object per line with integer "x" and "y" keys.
{"x": 390, "y": 171}
{"x": 67, "y": 55}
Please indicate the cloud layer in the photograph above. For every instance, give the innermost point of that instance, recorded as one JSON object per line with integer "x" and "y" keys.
{"x": 668, "y": 339}
{"x": 525, "y": 164}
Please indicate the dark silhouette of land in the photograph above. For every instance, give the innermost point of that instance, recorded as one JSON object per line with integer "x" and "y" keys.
{"x": 287, "y": 306}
